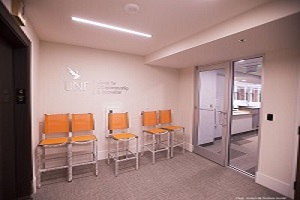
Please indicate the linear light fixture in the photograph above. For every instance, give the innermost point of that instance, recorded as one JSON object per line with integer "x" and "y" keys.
{"x": 110, "y": 27}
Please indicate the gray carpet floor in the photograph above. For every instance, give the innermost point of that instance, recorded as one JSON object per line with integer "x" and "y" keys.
{"x": 185, "y": 177}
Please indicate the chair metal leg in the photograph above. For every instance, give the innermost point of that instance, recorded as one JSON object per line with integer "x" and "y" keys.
{"x": 158, "y": 141}
{"x": 183, "y": 140}
{"x": 96, "y": 156}
{"x": 43, "y": 162}
{"x": 153, "y": 150}
{"x": 39, "y": 166}
{"x": 108, "y": 150}
{"x": 117, "y": 160}
{"x": 172, "y": 143}
{"x": 168, "y": 143}
{"x": 126, "y": 148}
{"x": 143, "y": 143}
{"x": 70, "y": 163}
{"x": 137, "y": 154}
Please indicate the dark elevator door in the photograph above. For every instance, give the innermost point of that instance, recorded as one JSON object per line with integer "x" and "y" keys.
{"x": 7, "y": 177}
{"x": 15, "y": 113}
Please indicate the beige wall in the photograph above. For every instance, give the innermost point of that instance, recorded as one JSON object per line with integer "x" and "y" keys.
{"x": 277, "y": 146}
{"x": 271, "y": 11}
{"x": 172, "y": 89}
{"x": 149, "y": 88}
{"x": 153, "y": 88}
{"x": 186, "y": 103}
{"x": 277, "y": 158}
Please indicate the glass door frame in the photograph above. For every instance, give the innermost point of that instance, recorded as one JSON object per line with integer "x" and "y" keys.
{"x": 232, "y": 63}
{"x": 222, "y": 158}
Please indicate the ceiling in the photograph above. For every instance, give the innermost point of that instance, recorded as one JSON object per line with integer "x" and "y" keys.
{"x": 169, "y": 21}
{"x": 280, "y": 34}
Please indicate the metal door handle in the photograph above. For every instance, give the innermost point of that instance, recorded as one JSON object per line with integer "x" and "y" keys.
{"x": 223, "y": 118}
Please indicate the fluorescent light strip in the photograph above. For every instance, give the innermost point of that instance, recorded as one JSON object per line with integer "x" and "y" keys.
{"x": 110, "y": 27}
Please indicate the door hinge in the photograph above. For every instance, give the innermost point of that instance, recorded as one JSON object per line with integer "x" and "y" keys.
{"x": 295, "y": 185}
{"x": 298, "y": 130}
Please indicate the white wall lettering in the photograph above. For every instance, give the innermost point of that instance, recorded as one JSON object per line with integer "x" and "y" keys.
{"x": 96, "y": 87}
{"x": 76, "y": 86}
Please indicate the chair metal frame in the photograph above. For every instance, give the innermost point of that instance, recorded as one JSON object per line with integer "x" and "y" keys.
{"x": 84, "y": 125}
{"x": 165, "y": 121}
{"x": 149, "y": 123}
{"x": 54, "y": 124}
{"x": 119, "y": 122}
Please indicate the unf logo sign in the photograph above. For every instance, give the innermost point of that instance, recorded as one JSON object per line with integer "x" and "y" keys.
{"x": 76, "y": 84}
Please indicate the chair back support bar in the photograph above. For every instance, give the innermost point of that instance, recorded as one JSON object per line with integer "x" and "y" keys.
{"x": 117, "y": 121}
{"x": 165, "y": 117}
{"x": 149, "y": 118}
{"x": 57, "y": 123}
{"x": 82, "y": 122}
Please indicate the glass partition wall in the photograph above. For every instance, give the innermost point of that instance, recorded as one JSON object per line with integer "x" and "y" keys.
{"x": 246, "y": 103}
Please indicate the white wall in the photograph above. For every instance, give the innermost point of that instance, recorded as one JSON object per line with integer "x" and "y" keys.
{"x": 149, "y": 88}
{"x": 279, "y": 97}
{"x": 186, "y": 103}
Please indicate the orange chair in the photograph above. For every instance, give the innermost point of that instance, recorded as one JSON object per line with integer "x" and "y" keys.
{"x": 119, "y": 122}
{"x": 165, "y": 120}
{"x": 53, "y": 125}
{"x": 82, "y": 134}
{"x": 149, "y": 122}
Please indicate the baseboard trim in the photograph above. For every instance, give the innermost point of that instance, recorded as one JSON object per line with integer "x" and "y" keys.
{"x": 274, "y": 184}
{"x": 189, "y": 147}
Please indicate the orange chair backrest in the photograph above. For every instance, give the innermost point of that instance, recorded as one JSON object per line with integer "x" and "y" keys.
{"x": 149, "y": 118}
{"x": 165, "y": 116}
{"x": 56, "y": 123}
{"x": 82, "y": 122}
{"x": 118, "y": 121}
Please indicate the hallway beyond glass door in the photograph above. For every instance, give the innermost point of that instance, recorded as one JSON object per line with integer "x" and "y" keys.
{"x": 212, "y": 112}
{"x": 243, "y": 151}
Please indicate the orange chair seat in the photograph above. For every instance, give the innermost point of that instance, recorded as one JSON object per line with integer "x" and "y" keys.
{"x": 120, "y": 136}
{"x": 84, "y": 138}
{"x": 172, "y": 128}
{"x": 156, "y": 131}
{"x": 54, "y": 141}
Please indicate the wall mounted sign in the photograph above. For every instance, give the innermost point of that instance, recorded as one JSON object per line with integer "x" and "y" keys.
{"x": 109, "y": 87}
{"x": 96, "y": 86}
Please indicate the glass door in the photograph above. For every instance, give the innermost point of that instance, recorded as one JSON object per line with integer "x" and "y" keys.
{"x": 211, "y": 112}
{"x": 245, "y": 117}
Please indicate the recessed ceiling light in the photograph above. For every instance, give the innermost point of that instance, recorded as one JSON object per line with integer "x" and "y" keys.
{"x": 110, "y": 27}
{"x": 242, "y": 40}
{"x": 131, "y": 8}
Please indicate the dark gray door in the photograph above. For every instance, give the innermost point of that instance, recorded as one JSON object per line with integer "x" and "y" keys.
{"x": 15, "y": 112}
